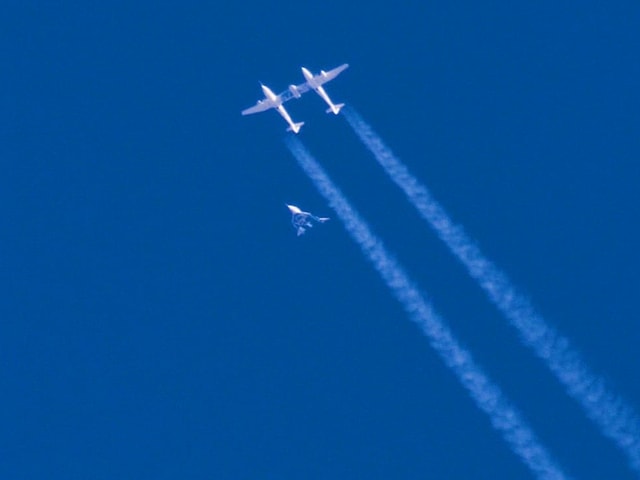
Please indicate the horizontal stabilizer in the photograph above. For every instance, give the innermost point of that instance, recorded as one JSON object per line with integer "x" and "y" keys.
{"x": 295, "y": 128}
{"x": 335, "y": 109}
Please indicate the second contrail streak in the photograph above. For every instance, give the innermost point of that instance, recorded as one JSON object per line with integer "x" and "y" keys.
{"x": 614, "y": 417}
{"x": 487, "y": 396}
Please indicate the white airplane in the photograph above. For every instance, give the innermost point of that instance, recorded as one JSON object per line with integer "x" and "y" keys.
{"x": 316, "y": 81}
{"x": 272, "y": 100}
{"x": 313, "y": 82}
{"x": 303, "y": 220}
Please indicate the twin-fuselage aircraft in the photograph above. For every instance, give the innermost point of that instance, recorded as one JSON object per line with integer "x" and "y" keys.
{"x": 313, "y": 82}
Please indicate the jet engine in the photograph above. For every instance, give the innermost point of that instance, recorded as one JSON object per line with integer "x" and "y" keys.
{"x": 294, "y": 91}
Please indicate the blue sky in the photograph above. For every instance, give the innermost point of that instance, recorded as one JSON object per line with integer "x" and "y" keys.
{"x": 160, "y": 318}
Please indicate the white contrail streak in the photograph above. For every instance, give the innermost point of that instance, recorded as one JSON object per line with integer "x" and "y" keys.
{"x": 504, "y": 417}
{"x": 614, "y": 417}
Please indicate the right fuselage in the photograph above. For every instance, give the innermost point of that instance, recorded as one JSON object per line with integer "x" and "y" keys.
{"x": 319, "y": 90}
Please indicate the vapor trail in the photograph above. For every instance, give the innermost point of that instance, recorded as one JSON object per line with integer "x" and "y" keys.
{"x": 487, "y": 396}
{"x": 610, "y": 413}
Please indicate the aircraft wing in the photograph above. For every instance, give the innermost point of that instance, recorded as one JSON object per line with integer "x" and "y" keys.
{"x": 289, "y": 94}
{"x": 261, "y": 106}
{"x": 285, "y": 96}
{"x": 330, "y": 75}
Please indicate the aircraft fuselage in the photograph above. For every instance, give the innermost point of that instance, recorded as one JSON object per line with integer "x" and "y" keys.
{"x": 320, "y": 91}
{"x": 268, "y": 93}
{"x": 277, "y": 102}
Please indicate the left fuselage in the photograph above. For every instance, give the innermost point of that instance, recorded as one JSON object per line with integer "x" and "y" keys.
{"x": 270, "y": 95}
{"x": 277, "y": 102}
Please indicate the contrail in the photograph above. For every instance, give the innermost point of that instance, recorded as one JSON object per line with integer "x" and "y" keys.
{"x": 487, "y": 396}
{"x": 609, "y": 412}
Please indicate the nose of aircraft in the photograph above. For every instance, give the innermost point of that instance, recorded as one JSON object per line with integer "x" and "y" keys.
{"x": 293, "y": 208}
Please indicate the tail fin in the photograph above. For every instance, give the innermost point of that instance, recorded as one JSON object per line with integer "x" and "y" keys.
{"x": 335, "y": 109}
{"x": 295, "y": 128}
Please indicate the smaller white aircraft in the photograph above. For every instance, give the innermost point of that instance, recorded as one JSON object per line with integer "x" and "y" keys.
{"x": 272, "y": 100}
{"x": 303, "y": 220}
{"x": 316, "y": 81}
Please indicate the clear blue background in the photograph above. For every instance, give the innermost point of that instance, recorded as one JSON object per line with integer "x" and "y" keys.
{"x": 159, "y": 318}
